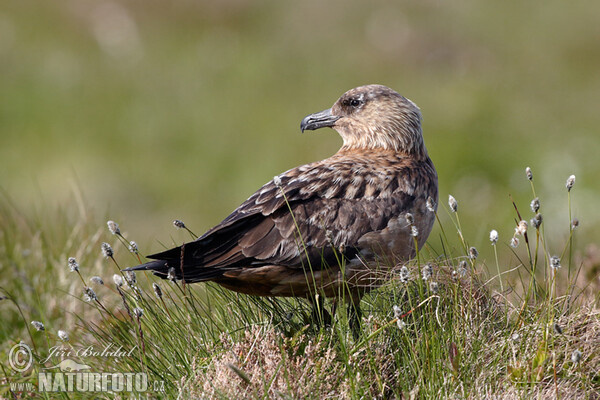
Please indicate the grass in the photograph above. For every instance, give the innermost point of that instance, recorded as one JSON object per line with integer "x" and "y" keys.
{"x": 444, "y": 325}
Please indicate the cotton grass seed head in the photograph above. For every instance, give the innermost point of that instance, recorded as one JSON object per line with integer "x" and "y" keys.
{"x": 133, "y": 247}
{"x": 473, "y": 253}
{"x": 555, "y": 262}
{"x": 434, "y": 287}
{"x": 570, "y": 182}
{"x": 107, "y": 251}
{"x": 521, "y": 228}
{"x": 277, "y": 181}
{"x": 113, "y": 227}
{"x": 171, "y": 274}
{"x": 38, "y": 326}
{"x": 63, "y": 335}
{"x": 427, "y": 272}
{"x": 574, "y": 223}
{"x": 97, "y": 280}
{"x": 329, "y": 236}
{"x": 397, "y": 311}
{"x": 118, "y": 280}
{"x": 430, "y": 204}
{"x": 130, "y": 278}
{"x": 461, "y": 271}
{"x": 528, "y": 173}
{"x": 178, "y": 224}
{"x": 514, "y": 242}
{"x": 535, "y": 205}
{"x": 138, "y": 312}
{"x": 452, "y": 203}
{"x": 414, "y": 231}
{"x": 536, "y": 221}
{"x": 404, "y": 274}
{"x": 73, "y": 264}
{"x": 400, "y": 324}
{"x": 89, "y": 294}
{"x": 157, "y": 290}
{"x": 494, "y": 236}
{"x": 576, "y": 357}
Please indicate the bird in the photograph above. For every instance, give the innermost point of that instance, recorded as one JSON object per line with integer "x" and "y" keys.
{"x": 329, "y": 228}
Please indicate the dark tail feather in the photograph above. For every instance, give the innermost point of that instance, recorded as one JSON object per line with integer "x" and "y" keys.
{"x": 190, "y": 274}
{"x": 158, "y": 267}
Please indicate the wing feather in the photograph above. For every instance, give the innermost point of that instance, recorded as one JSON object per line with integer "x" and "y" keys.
{"x": 306, "y": 218}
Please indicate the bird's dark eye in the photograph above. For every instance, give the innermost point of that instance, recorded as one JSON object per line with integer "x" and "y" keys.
{"x": 354, "y": 102}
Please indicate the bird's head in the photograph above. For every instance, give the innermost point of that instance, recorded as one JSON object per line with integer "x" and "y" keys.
{"x": 373, "y": 117}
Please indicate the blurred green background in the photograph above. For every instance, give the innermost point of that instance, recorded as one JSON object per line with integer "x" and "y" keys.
{"x": 158, "y": 110}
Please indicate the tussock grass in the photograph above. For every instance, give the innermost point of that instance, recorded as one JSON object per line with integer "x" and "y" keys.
{"x": 445, "y": 325}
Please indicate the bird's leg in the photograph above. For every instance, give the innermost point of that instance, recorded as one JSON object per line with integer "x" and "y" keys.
{"x": 355, "y": 315}
{"x": 319, "y": 313}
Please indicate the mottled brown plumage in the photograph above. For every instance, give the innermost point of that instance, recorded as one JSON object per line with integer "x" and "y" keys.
{"x": 348, "y": 211}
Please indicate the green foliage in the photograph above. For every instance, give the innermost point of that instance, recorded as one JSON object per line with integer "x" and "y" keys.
{"x": 442, "y": 332}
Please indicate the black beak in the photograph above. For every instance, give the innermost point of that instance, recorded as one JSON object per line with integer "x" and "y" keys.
{"x": 318, "y": 120}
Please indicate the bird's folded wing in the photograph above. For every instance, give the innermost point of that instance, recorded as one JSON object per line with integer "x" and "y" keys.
{"x": 310, "y": 216}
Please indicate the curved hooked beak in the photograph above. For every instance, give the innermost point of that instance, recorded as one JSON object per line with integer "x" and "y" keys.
{"x": 318, "y": 120}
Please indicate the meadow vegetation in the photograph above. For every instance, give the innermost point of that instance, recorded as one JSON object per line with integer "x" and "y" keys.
{"x": 144, "y": 112}
{"x": 448, "y": 324}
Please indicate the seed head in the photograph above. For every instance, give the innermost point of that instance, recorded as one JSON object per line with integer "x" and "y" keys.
{"x": 133, "y": 247}
{"x": 130, "y": 278}
{"x": 400, "y": 324}
{"x": 555, "y": 262}
{"x": 397, "y": 311}
{"x": 329, "y": 236}
{"x": 515, "y": 336}
{"x": 576, "y": 356}
{"x": 473, "y": 253}
{"x": 89, "y": 294}
{"x": 434, "y": 287}
{"x": 113, "y": 227}
{"x": 63, "y": 335}
{"x": 97, "y": 280}
{"x": 178, "y": 224}
{"x": 574, "y": 223}
{"x": 514, "y": 242}
{"x": 494, "y": 236}
{"x": 157, "y": 290}
{"x": 462, "y": 269}
{"x": 138, "y": 312}
{"x": 452, "y": 203}
{"x": 535, "y": 204}
{"x": 409, "y": 218}
{"x": 73, "y": 264}
{"x": 427, "y": 272}
{"x": 118, "y": 280}
{"x": 570, "y": 182}
{"x": 536, "y": 221}
{"x": 404, "y": 274}
{"x": 107, "y": 251}
{"x": 171, "y": 274}
{"x": 528, "y": 173}
{"x": 521, "y": 229}
{"x": 277, "y": 181}
{"x": 430, "y": 205}
{"x": 38, "y": 325}
{"x": 414, "y": 231}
